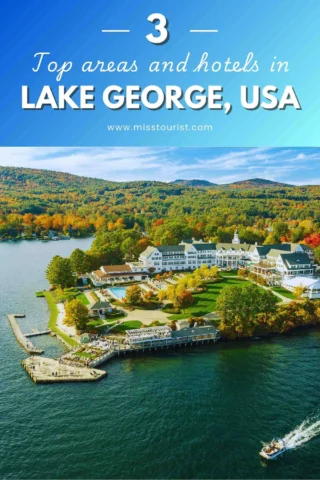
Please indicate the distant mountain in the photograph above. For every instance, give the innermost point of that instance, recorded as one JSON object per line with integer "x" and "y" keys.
{"x": 33, "y": 201}
{"x": 250, "y": 183}
{"x": 258, "y": 182}
{"x": 194, "y": 183}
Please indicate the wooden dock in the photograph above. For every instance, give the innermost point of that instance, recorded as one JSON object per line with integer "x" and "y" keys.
{"x": 36, "y": 333}
{"x": 21, "y": 338}
{"x": 47, "y": 370}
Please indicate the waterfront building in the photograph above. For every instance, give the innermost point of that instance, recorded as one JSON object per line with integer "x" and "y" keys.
{"x": 273, "y": 262}
{"x": 113, "y": 274}
{"x": 180, "y": 324}
{"x": 153, "y": 337}
{"x": 264, "y": 260}
{"x": 311, "y": 285}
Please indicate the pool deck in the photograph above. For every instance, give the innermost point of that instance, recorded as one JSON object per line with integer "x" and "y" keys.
{"x": 48, "y": 370}
{"x": 22, "y": 339}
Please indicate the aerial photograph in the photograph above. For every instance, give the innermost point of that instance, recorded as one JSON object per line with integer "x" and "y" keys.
{"x": 160, "y": 312}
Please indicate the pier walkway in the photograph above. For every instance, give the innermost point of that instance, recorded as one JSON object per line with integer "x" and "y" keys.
{"x": 36, "y": 333}
{"x": 21, "y": 338}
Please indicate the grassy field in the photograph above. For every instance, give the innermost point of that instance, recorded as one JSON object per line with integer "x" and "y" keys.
{"x": 84, "y": 354}
{"x": 231, "y": 273}
{"x": 284, "y": 292}
{"x": 95, "y": 323}
{"x": 83, "y": 299}
{"x": 131, "y": 324}
{"x": 39, "y": 294}
{"x": 53, "y": 319}
{"x": 206, "y": 302}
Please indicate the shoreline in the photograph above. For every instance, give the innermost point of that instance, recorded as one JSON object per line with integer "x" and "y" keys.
{"x": 52, "y": 324}
{"x": 57, "y": 315}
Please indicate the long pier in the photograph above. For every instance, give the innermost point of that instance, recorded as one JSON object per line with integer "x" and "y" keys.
{"x": 21, "y": 338}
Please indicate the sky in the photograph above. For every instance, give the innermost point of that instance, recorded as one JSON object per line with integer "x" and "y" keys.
{"x": 298, "y": 166}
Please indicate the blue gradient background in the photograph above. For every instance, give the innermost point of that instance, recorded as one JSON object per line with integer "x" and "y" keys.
{"x": 71, "y": 30}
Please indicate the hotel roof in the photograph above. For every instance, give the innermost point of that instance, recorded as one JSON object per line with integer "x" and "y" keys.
{"x": 302, "y": 281}
{"x": 171, "y": 248}
{"x": 116, "y": 268}
{"x": 233, "y": 246}
{"x": 204, "y": 246}
{"x": 295, "y": 259}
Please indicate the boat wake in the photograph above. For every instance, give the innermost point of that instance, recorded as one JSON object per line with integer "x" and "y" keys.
{"x": 304, "y": 432}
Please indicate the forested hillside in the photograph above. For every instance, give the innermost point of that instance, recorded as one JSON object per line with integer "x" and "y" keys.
{"x": 35, "y": 201}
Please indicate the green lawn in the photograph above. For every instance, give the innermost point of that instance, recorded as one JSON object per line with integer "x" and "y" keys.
{"x": 95, "y": 323}
{"x": 284, "y": 292}
{"x": 53, "y": 319}
{"x": 130, "y": 325}
{"x": 84, "y": 354}
{"x": 67, "y": 294}
{"x": 206, "y": 302}
{"x": 83, "y": 298}
{"x": 231, "y": 273}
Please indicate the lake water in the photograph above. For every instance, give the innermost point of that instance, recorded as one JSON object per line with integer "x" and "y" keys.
{"x": 189, "y": 413}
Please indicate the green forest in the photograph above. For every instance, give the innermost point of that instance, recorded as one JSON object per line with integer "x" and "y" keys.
{"x": 128, "y": 216}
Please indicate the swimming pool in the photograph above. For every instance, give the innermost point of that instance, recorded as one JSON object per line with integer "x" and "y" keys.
{"x": 118, "y": 292}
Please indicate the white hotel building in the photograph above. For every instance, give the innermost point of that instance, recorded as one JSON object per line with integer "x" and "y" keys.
{"x": 190, "y": 255}
{"x": 276, "y": 263}
{"x": 282, "y": 260}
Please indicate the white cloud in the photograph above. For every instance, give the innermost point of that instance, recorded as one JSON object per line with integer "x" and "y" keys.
{"x": 169, "y": 163}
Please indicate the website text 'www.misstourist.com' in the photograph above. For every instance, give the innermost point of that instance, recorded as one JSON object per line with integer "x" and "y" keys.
{"x": 177, "y": 127}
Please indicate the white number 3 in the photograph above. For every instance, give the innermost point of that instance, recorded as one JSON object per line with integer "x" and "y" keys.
{"x": 160, "y": 27}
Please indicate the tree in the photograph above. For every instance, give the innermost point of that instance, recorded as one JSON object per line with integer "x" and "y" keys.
{"x": 59, "y": 272}
{"x": 133, "y": 295}
{"x": 128, "y": 249}
{"x": 298, "y": 291}
{"x": 261, "y": 281}
{"x": 80, "y": 261}
{"x": 183, "y": 281}
{"x": 243, "y": 272}
{"x": 185, "y": 299}
{"x": 162, "y": 295}
{"x": 227, "y": 307}
{"x": 214, "y": 271}
{"x": 240, "y": 308}
{"x": 279, "y": 229}
{"x": 313, "y": 240}
{"x": 77, "y": 314}
{"x": 192, "y": 282}
{"x": 148, "y": 295}
{"x": 171, "y": 293}
{"x": 317, "y": 254}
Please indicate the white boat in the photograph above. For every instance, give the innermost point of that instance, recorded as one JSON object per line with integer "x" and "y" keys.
{"x": 274, "y": 449}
